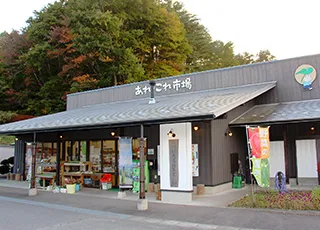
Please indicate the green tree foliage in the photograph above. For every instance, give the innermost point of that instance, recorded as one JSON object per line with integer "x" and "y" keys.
{"x": 246, "y": 58}
{"x": 198, "y": 37}
{"x": 77, "y": 45}
{"x": 6, "y": 116}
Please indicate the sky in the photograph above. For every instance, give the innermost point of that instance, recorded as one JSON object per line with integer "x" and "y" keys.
{"x": 288, "y": 28}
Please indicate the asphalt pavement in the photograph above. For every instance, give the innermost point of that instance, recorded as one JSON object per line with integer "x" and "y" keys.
{"x": 52, "y": 211}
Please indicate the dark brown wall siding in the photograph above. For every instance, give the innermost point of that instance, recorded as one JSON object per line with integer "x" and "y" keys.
{"x": 223, "y": 146}
{"x": 287, "y": 88}
{"x": 202, "y": 137}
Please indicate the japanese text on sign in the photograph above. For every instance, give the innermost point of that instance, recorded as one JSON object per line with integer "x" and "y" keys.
{"x": 159, "y": 87}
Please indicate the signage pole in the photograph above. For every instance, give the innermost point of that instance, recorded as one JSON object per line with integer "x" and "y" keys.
{"x": 249, "y": 158}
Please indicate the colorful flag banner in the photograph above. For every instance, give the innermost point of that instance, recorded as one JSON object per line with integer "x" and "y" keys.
{"x": 195, "y": 160}
{"x": 125, "y": 162}
{"x": 260, "y": 153}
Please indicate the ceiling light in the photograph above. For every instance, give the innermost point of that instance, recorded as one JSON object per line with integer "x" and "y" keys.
{"x": 113, "y": 133}
{"x": 196, "y": 128}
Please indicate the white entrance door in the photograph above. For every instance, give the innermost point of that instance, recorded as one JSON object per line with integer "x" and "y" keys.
{"x": 307, "y": 158}
{"x": 277, "y": 162}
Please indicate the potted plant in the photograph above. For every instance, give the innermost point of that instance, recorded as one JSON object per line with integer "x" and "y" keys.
{"x": 71, "y": 185}
{"x": 63, "y": 189}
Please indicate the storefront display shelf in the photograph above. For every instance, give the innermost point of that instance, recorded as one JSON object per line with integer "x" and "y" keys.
{"x": 46, "y": 177}
{"x": 75, "y": 170}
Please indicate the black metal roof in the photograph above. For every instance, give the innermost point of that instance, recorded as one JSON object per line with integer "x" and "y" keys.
{"x": 280, "y": 113}
{"x": 185, "y": 106}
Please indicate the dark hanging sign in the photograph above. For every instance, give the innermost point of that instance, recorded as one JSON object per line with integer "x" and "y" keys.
{"x": 174, "y": 162}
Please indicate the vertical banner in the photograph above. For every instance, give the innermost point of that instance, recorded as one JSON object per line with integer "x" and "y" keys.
{"x": 260, "y": 152}
{"x": 195, "y": 160}
{"x": 28, "y": 162}
{"x": 174, "y": 162}
{"x": 158, "y": 159}
{"x": 125, "y": 162}
{"x": 83, "y": 151}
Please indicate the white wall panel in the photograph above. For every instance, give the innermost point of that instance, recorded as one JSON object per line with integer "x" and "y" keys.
{"x": 183, "y": 134}
{"x": 307, "y": 158}
{"x": 277, "y": 161}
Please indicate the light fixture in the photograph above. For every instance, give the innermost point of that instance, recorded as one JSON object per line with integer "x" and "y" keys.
{"x": 113, "y": 133}
{"x": 312, "y": 128}
{"x": 17, "y": 139}
{"x": 171, "y": 133}
{"x": 228, "y": 133}
{"x": 196, "y": 128}
{"x": 60, "y": 137}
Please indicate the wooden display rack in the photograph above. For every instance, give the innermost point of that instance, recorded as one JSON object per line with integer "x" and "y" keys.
{"x": 83, "y": 168}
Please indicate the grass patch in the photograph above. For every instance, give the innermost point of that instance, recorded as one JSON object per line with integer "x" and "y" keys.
{"x": 293, "y": 200}
{"x": 6, "y": 140}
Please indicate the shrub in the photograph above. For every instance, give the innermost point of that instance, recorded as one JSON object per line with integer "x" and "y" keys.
{"x": 11, "y": 160}
{"x": 294, "y": 200}
{"x": 4, "y": 169}
{"x": 5, "y": 162}
{"x": 315, "y": 194}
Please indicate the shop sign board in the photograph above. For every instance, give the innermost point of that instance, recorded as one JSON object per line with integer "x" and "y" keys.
{"x": 174, "y": 85}
{"x": 150, "y": 151}
{"x": 174, "y": 162}
{"x": 305, "y": 75}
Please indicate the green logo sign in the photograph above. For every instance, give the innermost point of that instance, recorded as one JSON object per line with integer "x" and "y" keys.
{"x": 305, "y": 75}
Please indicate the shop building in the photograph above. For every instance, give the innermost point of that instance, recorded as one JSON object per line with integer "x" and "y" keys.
{"x": 207, "y": 112}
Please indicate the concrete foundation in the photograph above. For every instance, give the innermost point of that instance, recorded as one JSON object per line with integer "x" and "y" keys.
{"x": 121, "y": 195}
{"x": 142, "y": 204}
{"x": 304, "y": 182}
{"x": 176, "y": 196}
{"x": 32, "y": 192}
{"x": 218, "y": 188}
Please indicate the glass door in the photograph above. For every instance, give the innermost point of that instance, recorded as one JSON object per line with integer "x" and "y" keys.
{"x": 95, "y": 155}
{"x": 109, "y": 156}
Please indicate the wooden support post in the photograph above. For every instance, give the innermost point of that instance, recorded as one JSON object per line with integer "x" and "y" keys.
{"x": 286, "y": 152}
{"x": 58, "y": 161}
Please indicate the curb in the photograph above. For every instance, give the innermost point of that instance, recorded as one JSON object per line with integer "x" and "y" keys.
{"x": 282, "y": 211}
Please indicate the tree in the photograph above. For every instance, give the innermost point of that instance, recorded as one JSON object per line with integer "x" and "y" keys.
{"x": 246, "y": 58}
{"x": 157, "y": 35}
{"x": 76, "y": 45}
{"x": 243, "y": 59}
{"x": 198, "y": 37}
{"x": 223, "y": 55}
{"x": 264, "y": 55}
{"x": 12, "y": 77}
